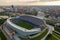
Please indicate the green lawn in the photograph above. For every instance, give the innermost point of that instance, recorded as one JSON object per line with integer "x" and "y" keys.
{"x": 50, "y": 22}
{"x": 25, "y": 25}
{"x": 57, "y": 29}
{"x": 56, "y": 35}
{"x": 22, "y": 38}
{"x": 2, "y": 21}
{"x": 50, "y": 37}
{"x": 2, "y": 36}
{"x": 41, "y": 36}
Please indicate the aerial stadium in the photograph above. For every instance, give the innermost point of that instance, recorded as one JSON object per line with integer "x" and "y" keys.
{"x": 24, "y": 26}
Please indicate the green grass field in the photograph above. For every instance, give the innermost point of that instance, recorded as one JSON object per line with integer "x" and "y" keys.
{"x": 2, "y": 21}
{"x": 51, "y": 37}
{"x": 58, "y": 36}
{"x": 25, "y": 25}
{"x": 50, "y": 22}
{"x": 57, "y": 29}
{"x": 2, "y": 36}
{"x": 41, "y": 36}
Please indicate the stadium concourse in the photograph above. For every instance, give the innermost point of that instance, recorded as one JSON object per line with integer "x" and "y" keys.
{"x": 24, "y": 26}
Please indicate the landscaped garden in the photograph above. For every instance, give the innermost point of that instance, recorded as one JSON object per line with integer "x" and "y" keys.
{"x": 50, "y": 22}
{"x": 53, "y": 36}
{"x": 57, "y": 29}
{"x": 58, "y": 36}
{"x": 41, "y": 36}
{"x": 2, "y": 21}
{"x": 50, "y": 37}
{"x": 2, "y": 36}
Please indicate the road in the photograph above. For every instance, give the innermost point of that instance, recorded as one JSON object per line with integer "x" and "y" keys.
{"x": 50, "y": 31}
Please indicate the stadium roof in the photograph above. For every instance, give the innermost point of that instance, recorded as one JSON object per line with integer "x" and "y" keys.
{"x": 33, "y": 20}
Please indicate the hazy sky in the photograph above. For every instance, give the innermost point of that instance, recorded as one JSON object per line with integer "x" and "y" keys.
{"x": 21, "y": 2}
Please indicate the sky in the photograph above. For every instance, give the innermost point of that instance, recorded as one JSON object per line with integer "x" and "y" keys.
{"x": 27, "y": 2}
{"x": 18, "y": 0}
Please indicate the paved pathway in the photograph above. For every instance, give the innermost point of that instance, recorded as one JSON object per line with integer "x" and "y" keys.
{"x": 49, "y": 31}
{"x": 57, "y": 32}
{"x": 55, "y": 37}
